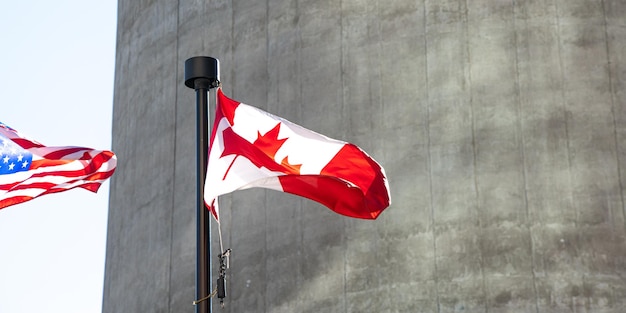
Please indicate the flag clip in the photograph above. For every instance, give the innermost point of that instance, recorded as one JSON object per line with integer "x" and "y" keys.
{"x": 221, "y": 280}
{"x": 225, "y": 260}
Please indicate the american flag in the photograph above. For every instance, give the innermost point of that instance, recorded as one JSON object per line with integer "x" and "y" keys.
{"x": 29, "y": 169}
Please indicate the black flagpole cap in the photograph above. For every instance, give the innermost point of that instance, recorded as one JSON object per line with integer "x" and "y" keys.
{"x": 205, "y": 68}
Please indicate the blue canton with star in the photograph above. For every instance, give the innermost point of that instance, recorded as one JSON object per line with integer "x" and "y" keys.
{"x": 13, "y": 158}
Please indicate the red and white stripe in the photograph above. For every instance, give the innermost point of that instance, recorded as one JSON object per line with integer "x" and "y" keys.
{"x": 54, "y": 169}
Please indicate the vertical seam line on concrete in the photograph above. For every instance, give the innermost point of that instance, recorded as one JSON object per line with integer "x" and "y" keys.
{"x": 564, "y": 106}
{"x": 299, "y": 277}
{"x": 265, "y": 255}
{"x": 381, "y": 102}
{"x": 344, "y": 242}
{"x": 267, "y": 106}
{"x": 520, "y": 125}
{"x": 381, "y": 72}
{"x": 342, "y": 69}
{"x": 429, "y": 156}
{"x": 232, "y": 48}
{"x": 474, "y": 152}
{"x": 378, "y": 121}
{"x": 613, "y": 108}
{"x": 169, "y": 287}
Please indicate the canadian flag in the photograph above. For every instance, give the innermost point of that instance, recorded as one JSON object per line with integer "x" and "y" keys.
{"x": 252, "y": 148}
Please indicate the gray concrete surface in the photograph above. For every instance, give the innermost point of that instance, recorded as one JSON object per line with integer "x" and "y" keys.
{"x": 500, "y": 123}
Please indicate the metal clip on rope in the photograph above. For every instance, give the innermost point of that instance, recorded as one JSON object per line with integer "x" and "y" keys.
{"x": 221, "y": 280}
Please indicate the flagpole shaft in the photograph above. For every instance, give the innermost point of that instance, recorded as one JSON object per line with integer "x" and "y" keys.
{"x": 202, "y": 74}
{"x": 203, "y": 235}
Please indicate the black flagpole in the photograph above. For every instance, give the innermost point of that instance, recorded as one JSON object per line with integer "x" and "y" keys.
{"x": 202, "y": 74}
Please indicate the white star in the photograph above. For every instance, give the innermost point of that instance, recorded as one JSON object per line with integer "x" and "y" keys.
{"x": 19, "y": 158}
{"x": 6, "y": 159}
{"x": 11, "y": 166}
{"x": 24, "y": 164}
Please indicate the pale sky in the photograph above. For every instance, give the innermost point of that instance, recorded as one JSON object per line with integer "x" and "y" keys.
{"x": 56, "y": 86}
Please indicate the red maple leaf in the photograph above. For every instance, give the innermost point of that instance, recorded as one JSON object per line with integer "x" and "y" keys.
{"x": 261, "y": 152}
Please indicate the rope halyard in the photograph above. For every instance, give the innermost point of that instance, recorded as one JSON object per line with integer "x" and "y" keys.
{"x": 211, "y": 295}
{"x": 220, "y": 289}
{"x": 219, "y": 232}
{"x": 224, "y": 259}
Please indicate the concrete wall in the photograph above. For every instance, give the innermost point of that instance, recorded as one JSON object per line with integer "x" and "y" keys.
{"x": 501, "y": 125}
